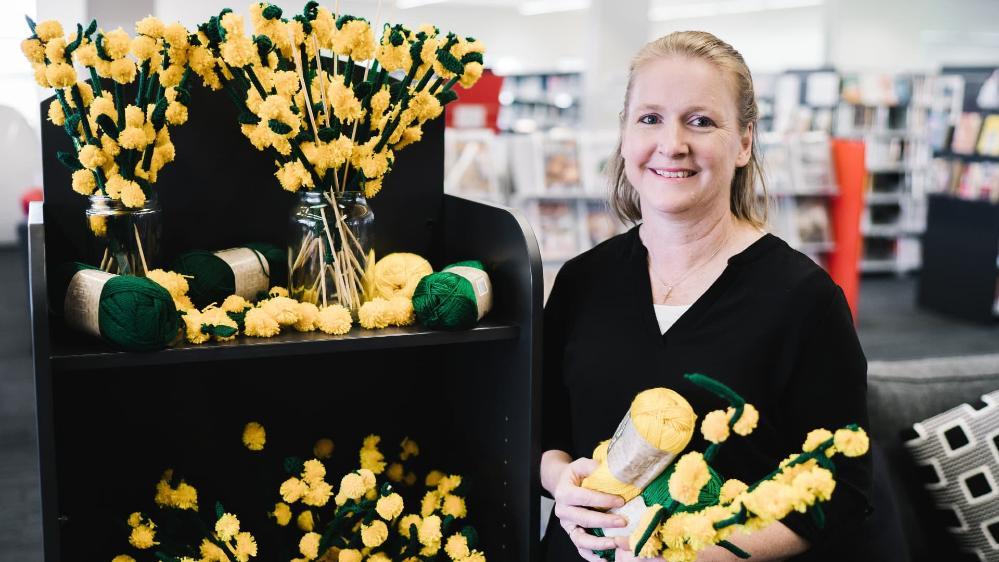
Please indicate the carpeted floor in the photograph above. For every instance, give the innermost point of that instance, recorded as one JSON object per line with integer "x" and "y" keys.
{"x": 891, "y": 328}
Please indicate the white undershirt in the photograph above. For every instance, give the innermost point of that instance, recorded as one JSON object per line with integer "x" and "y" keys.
{"x": 668, "y": 314}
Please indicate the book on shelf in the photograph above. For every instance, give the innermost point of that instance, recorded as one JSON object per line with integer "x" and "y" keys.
{"x": 557, "y": 228}
{"x": 472, "y": 163}
{"x": 966, "y": 133}
{"x": 600, "y": 222}
{"x": 811, "y": 221}
{"x": 560, "y": 164}
{"x": 988, "y": 140}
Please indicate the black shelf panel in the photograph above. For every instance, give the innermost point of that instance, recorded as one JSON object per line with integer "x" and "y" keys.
{"x": 79, "y": 354}
{"x": 966, "y": 157}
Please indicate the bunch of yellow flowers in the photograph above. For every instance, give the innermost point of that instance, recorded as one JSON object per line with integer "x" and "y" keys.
{"x": 367, "y": 520}
{"x": 329, "y": 125}
{"x": 119, "y": 147}
{"x": 686, "y": 514}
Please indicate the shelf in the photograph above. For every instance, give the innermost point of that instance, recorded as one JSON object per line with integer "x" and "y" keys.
{"x": 878, "y": 266}
{"x": 885, "y": 198}
{"x": 883, "y": 231}
{"x": 80, "y": 354}
{"x": 887, "y": 169}
{"x": 966, "y": 157}
{"x": 559, "y": 196}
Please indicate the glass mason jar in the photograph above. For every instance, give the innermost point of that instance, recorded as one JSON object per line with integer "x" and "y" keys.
{"x": 124, "y": 240}
{"x": 328, "y": 246}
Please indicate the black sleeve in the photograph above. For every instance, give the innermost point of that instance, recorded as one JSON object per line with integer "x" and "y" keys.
{"x": 555, "y": 421}
{"x": 829, "y": 390}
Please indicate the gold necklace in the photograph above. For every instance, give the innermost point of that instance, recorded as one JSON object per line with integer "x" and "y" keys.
{"x": 670, "y": 286}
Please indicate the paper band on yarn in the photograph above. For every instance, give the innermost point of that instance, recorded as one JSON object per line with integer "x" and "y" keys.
{"x": 83, "y": 300}
{"x": 633, "y": 460}
{"x": 632, "y": 513}
{"x": 249, "y": 270}
{"x": 480, "y": 284}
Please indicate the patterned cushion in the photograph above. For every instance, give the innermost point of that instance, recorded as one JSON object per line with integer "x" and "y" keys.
{"x": 957, "y": 456}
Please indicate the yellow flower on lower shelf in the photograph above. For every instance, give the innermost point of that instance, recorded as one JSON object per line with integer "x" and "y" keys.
{"x": 254, "y": 436}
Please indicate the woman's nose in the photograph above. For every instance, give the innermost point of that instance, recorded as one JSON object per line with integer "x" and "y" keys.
{"x": 671, "y": 142}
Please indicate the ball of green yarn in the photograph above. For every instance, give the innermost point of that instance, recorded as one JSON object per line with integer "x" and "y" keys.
{"x": 211, "y": 279}
{"x": 135, "y": 313}
{"x": 446, "y": 301}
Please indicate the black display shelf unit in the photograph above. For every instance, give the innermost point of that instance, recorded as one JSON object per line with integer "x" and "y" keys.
{"x": 110, "y": 422}
{"x": 960, "y": 250}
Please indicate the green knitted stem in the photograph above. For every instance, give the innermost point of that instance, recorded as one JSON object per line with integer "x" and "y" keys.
{"x": 716, "y": 388}
{"x": 657, "y": 519}
{"x": 212, "y": 279}
{"x": 734, "y": 549}
{"x": 445, "y": 301}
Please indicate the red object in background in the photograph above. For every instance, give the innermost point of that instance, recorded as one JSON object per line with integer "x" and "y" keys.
{"x": 484, "y": 95}
{"x": 846, "y": 210}
{"x": 29, "y": 195}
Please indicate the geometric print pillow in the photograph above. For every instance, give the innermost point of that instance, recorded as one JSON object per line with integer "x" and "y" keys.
{"x": 957, "y": 456}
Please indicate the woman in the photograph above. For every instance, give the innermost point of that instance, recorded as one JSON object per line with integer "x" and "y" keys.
{"x": 697, "y": 286}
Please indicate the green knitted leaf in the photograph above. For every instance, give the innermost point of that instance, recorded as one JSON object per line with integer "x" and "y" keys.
{"x": 219, "y": 510}
{"x": 70, "y": 160}
{"x": 31, "y": 24}
{"x": 91, "y": 28}
{"x": 446, "y": 97}
{"x": 306, "y": 24}
{"x": 247, "y": 118}
{"x": 158, "y": 117}
{"x": 471, "y": 536}
{"x": 107, "y": 126}
{"x": 472, "y": 57}
{"x": 264, "y": 46}
{"x": 818, "y": 515}
{"x": 311, "y": 10}
{"x": 279, "y": 127}
{"x": 272, "y": 12}
{"x": 328, "y": 134}
{"x": 293, "y": 465}
{"x": 183, "y": 95}
{"x": 396, "y": 37}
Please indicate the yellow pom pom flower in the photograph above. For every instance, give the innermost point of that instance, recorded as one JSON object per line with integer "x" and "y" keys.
{"x": 747, "y": 421}
{"x": 281, "y": 513}
{"x": 448, "y": 484}
{"x": 132, "y": 195}
{"x": 143, "y": 47}
{"x": 308, "y": 317}
{"x": 123, "y": 558}
{"x": 851, "y": 443}
{"x": 193, "y": 322}
{"x": 55, "y": 50}
{"x": 689, "y": 477}
{"x": 318, "y": 494}
{"x": 305, "y": 521}
{"x": 389, "y": 507}
{"x": 151, "y": 26}
{"x": 86, "y": 55}
{"x": 227, "y": 526}
{"x": 33, "y": 50}
{"x": 143, "y": 537}
{"x": 174, "y": 283}
{"x": 430, "y": 530}
{"x": 714, "y": 428}
{"x": 350, "y": 555}
{"x": 48, "y": 30}
{"x": 293, "y": 490}
{"x": 431, "y": 502}
{"x": 374, "y": 534}
{"x": 260, "y": 324}
{"x": 282, "y": 309}
{"x": 84, "y": 182}
{"x": 351, "y": 488}
{"x": 815, "y": 438}
{"x": 309, "y": 545}
{"x": 334, "y": 320}
{"x": 293, "y": 176}
{"x": 92, "y": 157}
{"x": 454, "y": 506}
{"x": 133, "y": 138}
{"x": 730, "y": 490}
{"x": 254, "y": 436}
{"x": 60, "y": 75}
{"x": 323, "y": 449}
{"x": 246, "y": 546}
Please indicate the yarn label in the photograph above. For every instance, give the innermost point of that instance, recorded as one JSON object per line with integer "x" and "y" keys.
{"x": 633, "y": 460}
{"x": 83, "y": 300}
{"x": 480, "y": 284}
{"x": 632, "y": 513}
{"x": 249, "y": 270}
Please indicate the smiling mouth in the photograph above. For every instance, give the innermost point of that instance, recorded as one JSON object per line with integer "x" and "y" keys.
{"x": 673, "y": 175}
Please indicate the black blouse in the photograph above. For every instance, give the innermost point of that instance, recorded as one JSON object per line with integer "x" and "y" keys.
{"x": 774, "y": 327}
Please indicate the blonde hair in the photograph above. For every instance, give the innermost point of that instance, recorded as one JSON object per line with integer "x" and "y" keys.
{"x": 702, "y": 46}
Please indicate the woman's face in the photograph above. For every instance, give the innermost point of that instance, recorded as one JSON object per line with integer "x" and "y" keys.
{"x": 681, "y": 140}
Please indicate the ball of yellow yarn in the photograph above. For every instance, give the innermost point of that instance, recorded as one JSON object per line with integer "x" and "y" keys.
{"x": 664, "y": 419}
{"x": 397, "y": 274}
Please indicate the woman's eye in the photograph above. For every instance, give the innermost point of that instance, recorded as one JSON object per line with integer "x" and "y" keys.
{"x": 702, "y": 121}
{"x": 650, "y": 119}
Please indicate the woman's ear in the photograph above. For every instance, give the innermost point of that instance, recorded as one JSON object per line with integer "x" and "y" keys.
{"x": 746, "y": 148}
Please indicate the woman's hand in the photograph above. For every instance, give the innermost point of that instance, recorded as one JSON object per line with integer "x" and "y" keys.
{"x": 574, "y": 507}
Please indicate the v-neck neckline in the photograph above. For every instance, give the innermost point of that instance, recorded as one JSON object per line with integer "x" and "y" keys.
{"x": 643, "y": 293}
